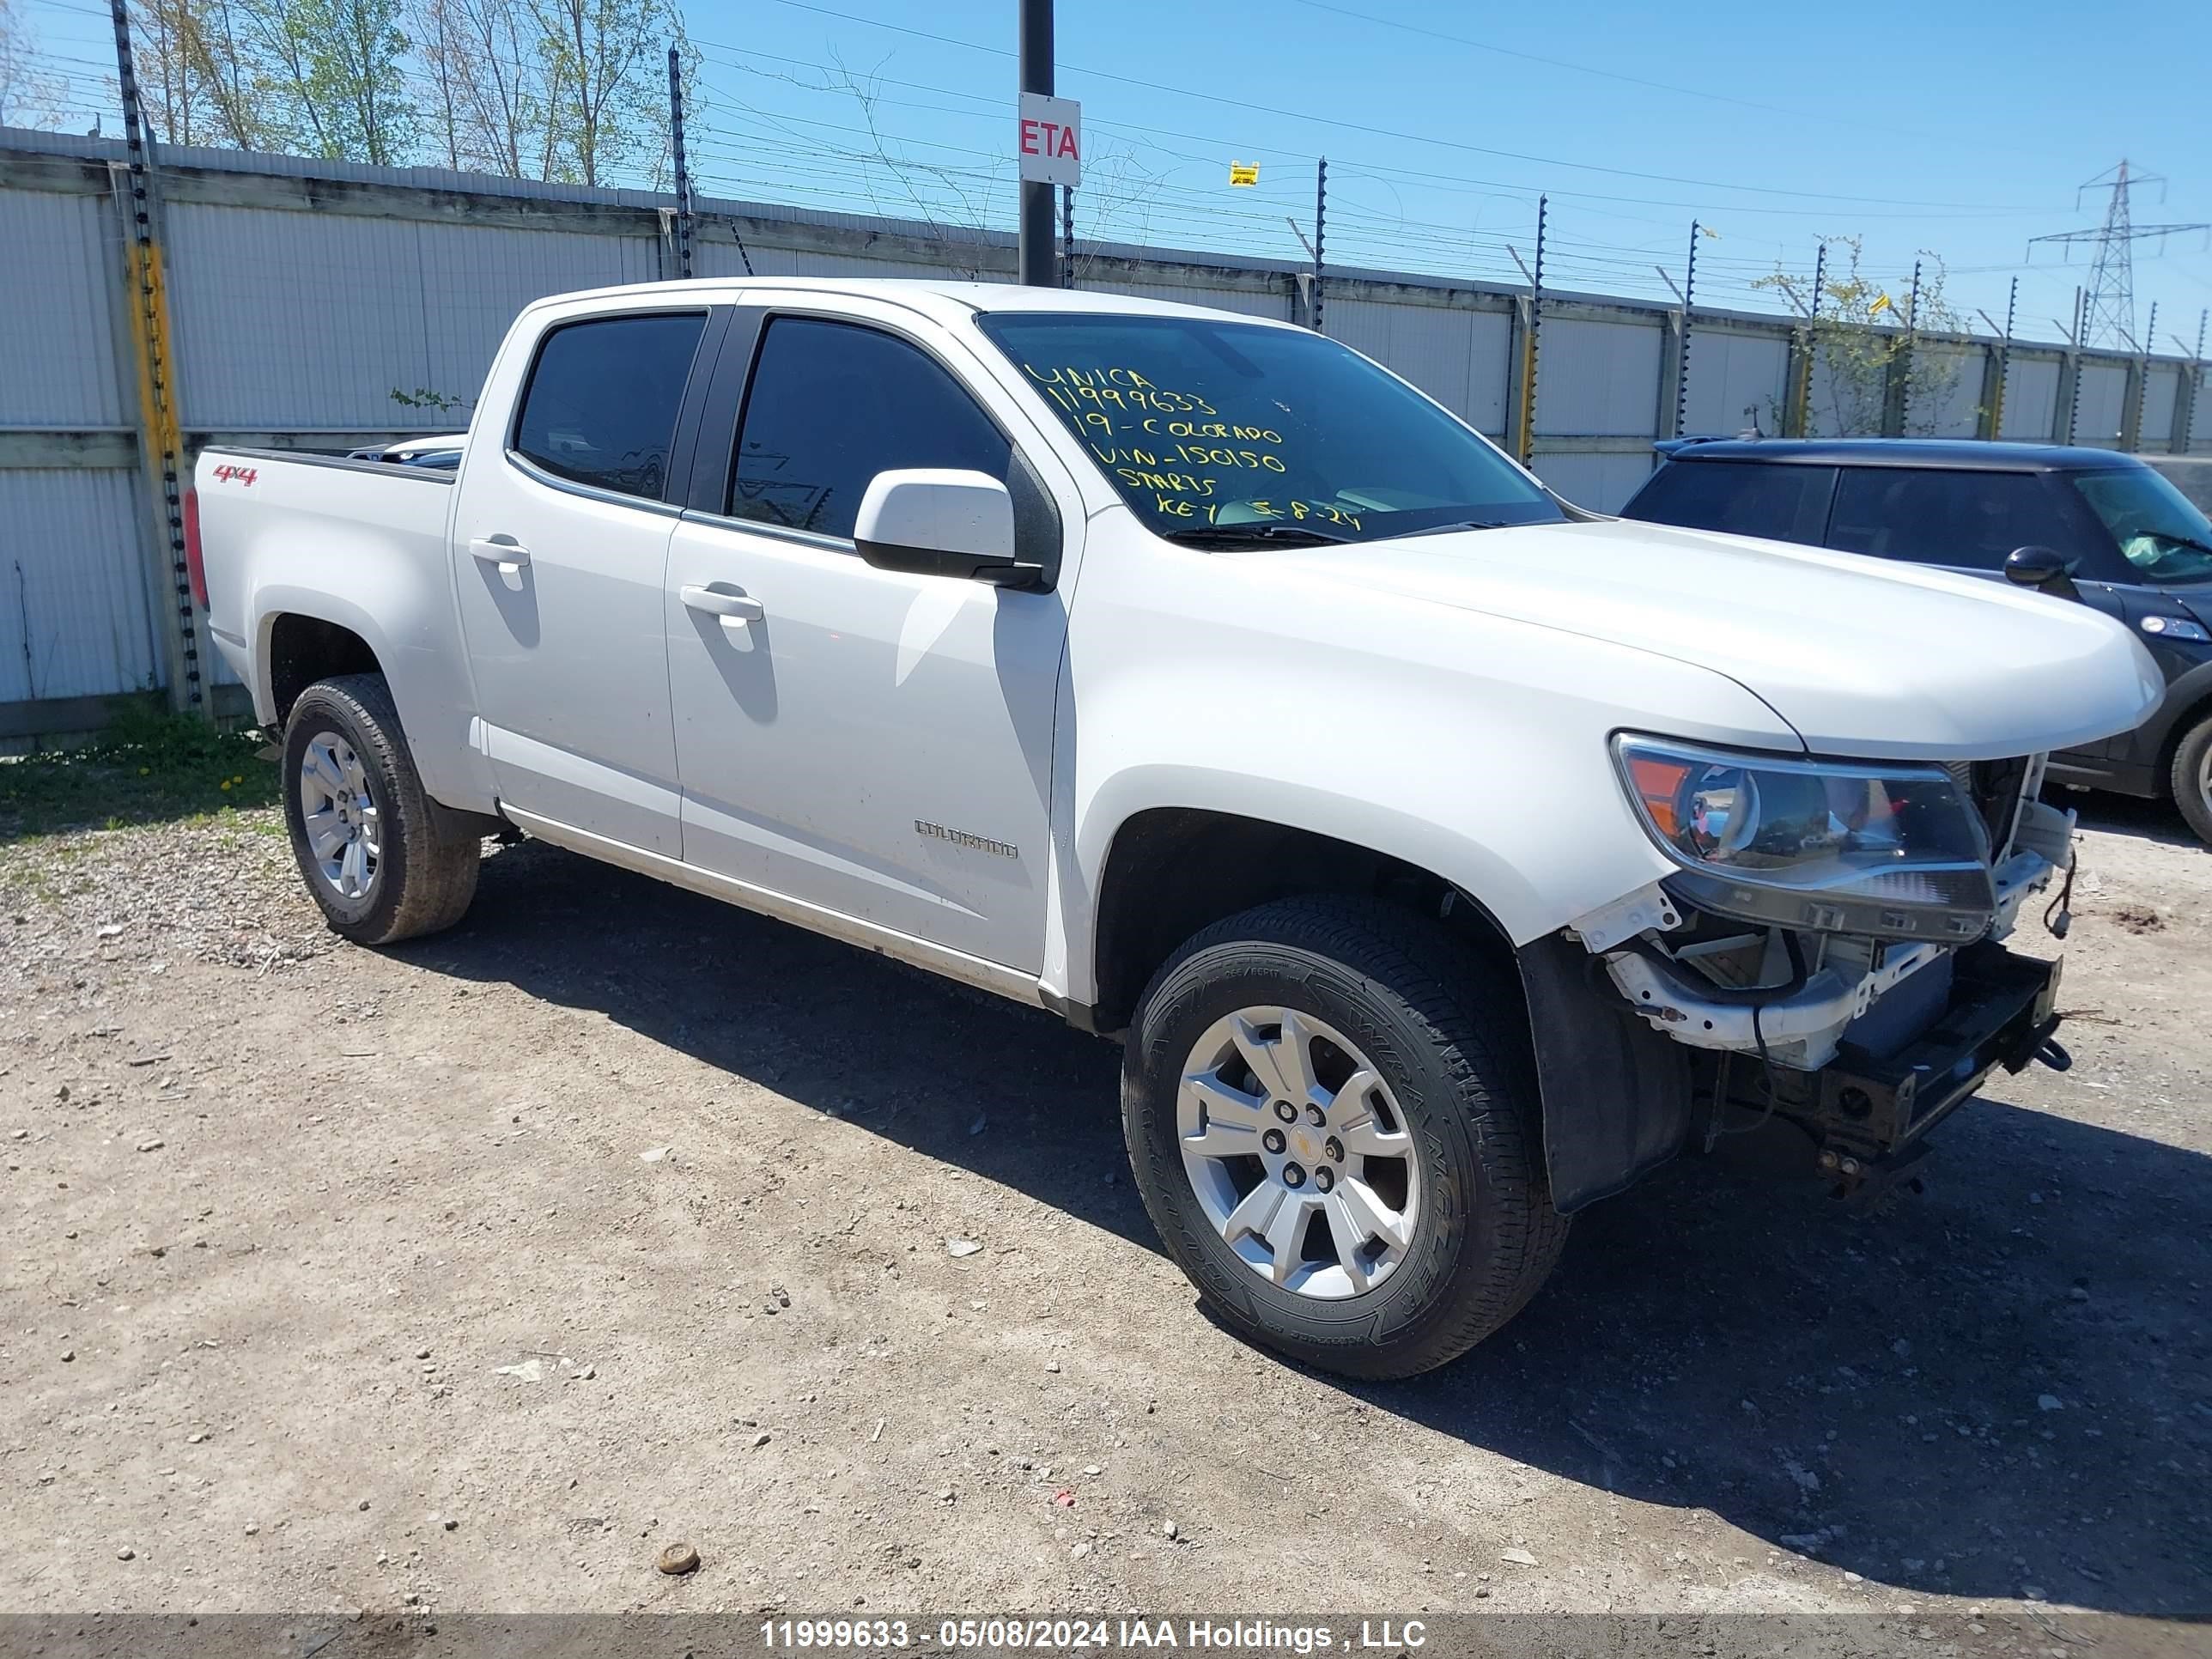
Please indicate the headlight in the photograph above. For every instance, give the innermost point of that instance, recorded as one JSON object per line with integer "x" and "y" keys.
{"x": 1892, "y": 851}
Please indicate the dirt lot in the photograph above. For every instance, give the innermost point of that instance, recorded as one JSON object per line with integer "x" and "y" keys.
{"x": 470, "y": 1275}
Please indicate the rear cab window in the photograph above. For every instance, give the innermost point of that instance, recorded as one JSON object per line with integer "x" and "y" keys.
{"x": 1782, "y": 502}
{"x": 601, "y": 405}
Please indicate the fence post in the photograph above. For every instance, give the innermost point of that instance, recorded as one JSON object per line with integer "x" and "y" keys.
{"x": 136, "y": 190}
{"x": 682, "y": 225}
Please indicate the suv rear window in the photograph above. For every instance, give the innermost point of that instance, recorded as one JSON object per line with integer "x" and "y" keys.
{"x": 601, "y": 405}
{"x": 1970, "y": 519}
{"x": 1786, "y": 503}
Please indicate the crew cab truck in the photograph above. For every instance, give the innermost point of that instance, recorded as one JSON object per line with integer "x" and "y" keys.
{"x": 1444, "y": 856}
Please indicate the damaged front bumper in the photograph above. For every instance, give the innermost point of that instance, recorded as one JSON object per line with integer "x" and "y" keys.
{"x": 1866, "y": 1112}
{"x": 1643, "y": 1053}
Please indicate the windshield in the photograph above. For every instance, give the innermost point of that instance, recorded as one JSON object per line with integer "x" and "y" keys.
{"x": 2163, "y": 534}
{"x": 1250, "y": 434}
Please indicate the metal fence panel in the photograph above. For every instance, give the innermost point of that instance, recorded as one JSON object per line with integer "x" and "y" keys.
{"x": 1736, "y": 381}
{"x": 723, "y": 259}
{"x": 1598, "y": 379}
{"x": 1955, "y": 406}
{"x": 58, "y": 363}
{"x": 2161, "y": 387}
{"x": 1458, "y": 357}
{"x": 257, "y": 295}
{"x": 1601, "y": 482}
{"x": 73, "y": 618}
{"x": 1248, "y": 302}
{"x": 2031, "y": 399}
{"x": 470, "y": 280}
{"x": 2103, "y": 403}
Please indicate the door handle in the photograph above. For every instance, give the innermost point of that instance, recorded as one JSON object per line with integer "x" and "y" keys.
{"x": 511, "y": 556}
{"x": 730, "y": 607}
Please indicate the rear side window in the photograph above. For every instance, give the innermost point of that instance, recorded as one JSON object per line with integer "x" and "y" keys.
{"x": 831, "y": 406}
{"x": 1786, "y": 503}
{"x": 1966, "y": 519}
{"x": 601, "y": 405}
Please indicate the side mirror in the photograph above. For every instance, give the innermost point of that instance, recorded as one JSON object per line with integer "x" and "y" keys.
{"x": 2042, "y": 567}
{"x": 941, "y": 521}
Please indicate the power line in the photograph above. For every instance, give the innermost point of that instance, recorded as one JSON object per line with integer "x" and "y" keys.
{"x": 1311, "y": 117}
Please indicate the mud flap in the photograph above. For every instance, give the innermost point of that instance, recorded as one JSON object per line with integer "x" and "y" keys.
{"x": 1617, "y": 1095}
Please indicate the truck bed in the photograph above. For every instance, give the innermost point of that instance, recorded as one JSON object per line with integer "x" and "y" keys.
{"x": 359, "y": 544}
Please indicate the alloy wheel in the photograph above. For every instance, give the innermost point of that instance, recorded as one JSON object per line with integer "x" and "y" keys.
{"x": 340, "y": 816}
{"x": 1297, "y": 1154}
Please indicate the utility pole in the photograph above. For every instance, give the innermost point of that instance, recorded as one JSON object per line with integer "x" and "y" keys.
{"x": 1900, "y": 366}
{"x": 2110, "y": 316}
{"x": 1068, "y": 235}
{"x": 1035, "y": 239}
{"x": 683, "y": 176}
{"x": 1528, "y": 444}
{"x": 2004, "y": 363}
{"x": 2139, "y": 384}
{"x": 161, "y": 436}
{"x": 1320, "y": 215}
{"x": 2074, "y": 394}
{"x": 1812, "y": 348}
{"x": 1682, "y": 369}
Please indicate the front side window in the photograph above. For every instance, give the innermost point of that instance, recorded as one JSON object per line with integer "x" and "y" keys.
{"x": 1784, "y": 503}
{"x": 1234, "y": 431}
{"x": 1966, "y": 519}
{"x": 831, "y": 405}
{"x": 2164, "y": 535}
{"x": 603, "y": 399}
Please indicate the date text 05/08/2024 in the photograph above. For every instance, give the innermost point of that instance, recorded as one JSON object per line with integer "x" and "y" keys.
{"x": 1257, "y": 1635}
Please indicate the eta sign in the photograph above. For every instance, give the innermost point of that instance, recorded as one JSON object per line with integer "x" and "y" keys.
{"x": 1049, "y": 140}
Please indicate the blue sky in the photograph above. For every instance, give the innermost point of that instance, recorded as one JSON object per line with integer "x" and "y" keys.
{"x": 1960, "y": 128}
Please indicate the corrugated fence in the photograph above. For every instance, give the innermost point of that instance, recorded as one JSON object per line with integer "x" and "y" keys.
{"x": 322, "y": 305}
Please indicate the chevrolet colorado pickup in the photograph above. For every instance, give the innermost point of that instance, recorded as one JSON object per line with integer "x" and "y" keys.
{"x": 1445, "y": 857}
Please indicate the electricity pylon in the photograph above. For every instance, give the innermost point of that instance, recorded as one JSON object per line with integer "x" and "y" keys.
{"x": 2109, "y": 317}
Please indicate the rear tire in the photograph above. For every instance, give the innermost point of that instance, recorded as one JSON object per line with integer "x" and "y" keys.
{"x": 383, "y": 860}
{"x": 1451, "y": 1229}
{"x": 2191, "y": 779}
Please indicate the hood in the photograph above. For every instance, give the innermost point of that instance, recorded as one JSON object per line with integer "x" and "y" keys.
{"x": 1862, "y": 657}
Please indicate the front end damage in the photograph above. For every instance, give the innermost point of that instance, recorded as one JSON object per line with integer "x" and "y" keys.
{"x": 1695, "y": 1009}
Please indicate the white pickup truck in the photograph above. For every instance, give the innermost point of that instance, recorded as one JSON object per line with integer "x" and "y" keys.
{"x": 1445, "y": 857}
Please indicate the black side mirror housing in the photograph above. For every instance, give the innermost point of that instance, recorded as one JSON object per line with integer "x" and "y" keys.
{"x": 2044, "y": 568}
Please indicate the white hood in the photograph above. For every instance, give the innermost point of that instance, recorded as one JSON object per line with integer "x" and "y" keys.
{"x": 1862, "y": 658}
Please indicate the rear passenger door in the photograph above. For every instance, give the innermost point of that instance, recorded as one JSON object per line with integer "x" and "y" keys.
{"x": 561, "y": 545}
{"x": 870, "y": 744}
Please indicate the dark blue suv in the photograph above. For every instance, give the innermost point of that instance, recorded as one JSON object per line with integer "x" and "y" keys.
{"x": 2085, "y": 525}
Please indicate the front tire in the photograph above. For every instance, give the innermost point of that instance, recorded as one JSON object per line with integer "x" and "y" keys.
{"x": 2191, "y": 778}
{"x": 383, "y": 860}
{"x": 1395, "y": 1214}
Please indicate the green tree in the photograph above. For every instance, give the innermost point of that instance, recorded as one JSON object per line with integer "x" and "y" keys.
{"x": 1868, "y": 337}
{"x": 606, "y": 83}
{"x": 29, "y": 96}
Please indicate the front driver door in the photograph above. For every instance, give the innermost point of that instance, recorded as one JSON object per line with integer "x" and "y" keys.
{"x": 870, "y": 744}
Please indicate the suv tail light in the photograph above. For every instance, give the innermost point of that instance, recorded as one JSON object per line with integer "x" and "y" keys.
{"x": 195, "y": 565}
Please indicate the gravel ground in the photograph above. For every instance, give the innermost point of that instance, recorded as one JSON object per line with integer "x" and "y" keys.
{"x": 470, "y": 1275}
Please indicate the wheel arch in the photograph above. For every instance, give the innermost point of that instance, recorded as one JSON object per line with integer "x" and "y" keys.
{"x": 298, "y": 648}
{"x": 1166, "y": 873}
{"x": 2188, "y": 702}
